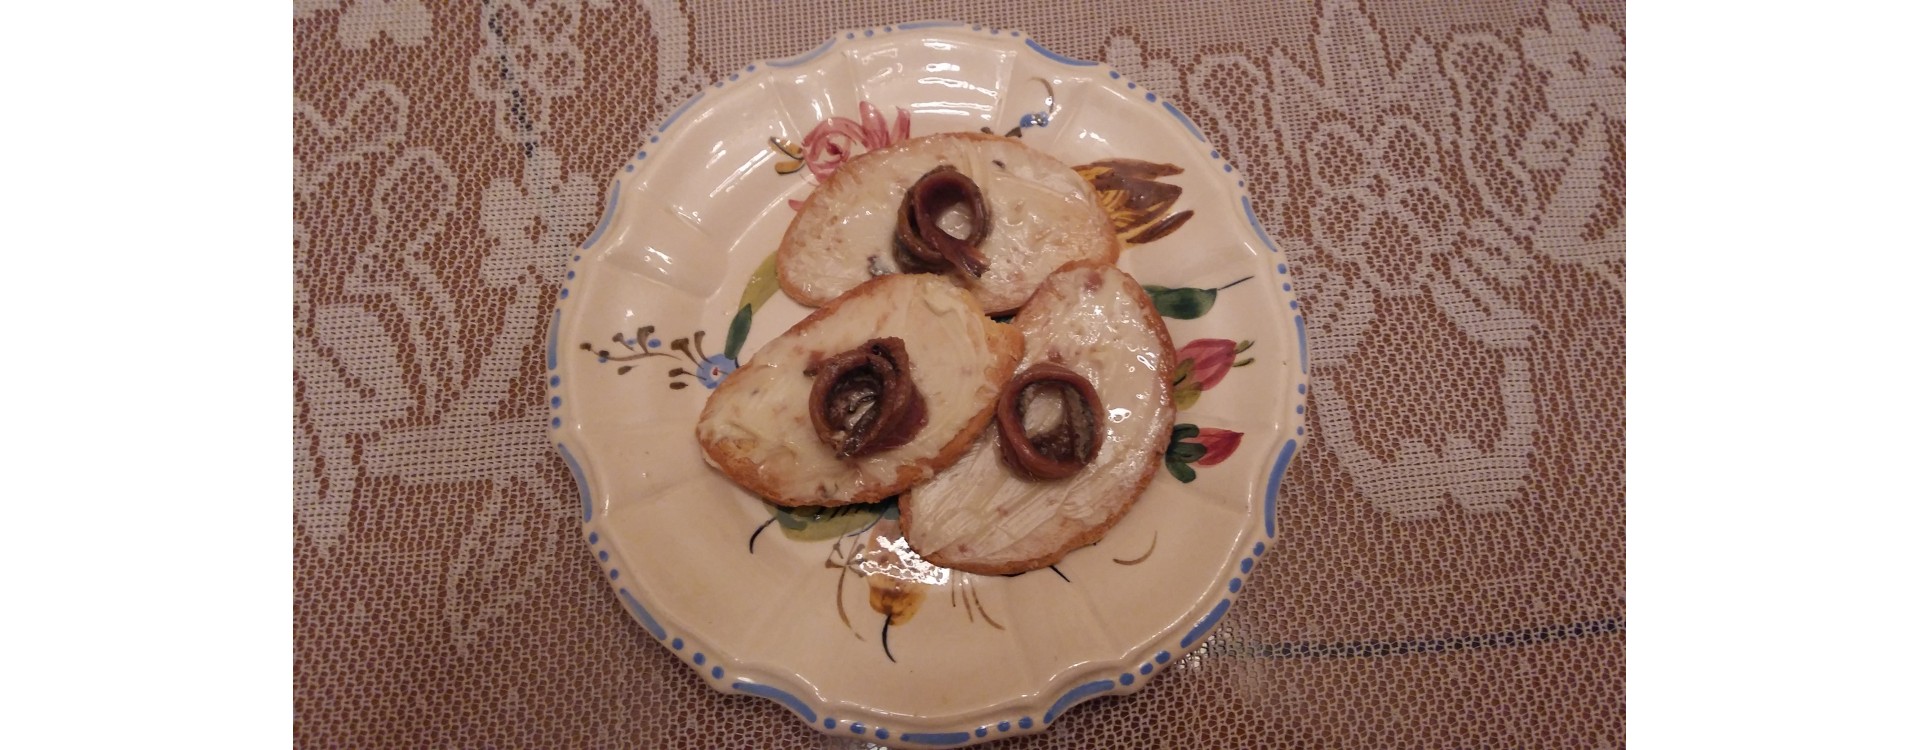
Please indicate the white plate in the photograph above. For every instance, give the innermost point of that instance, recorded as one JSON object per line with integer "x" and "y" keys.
{"x": 670, "y": 292}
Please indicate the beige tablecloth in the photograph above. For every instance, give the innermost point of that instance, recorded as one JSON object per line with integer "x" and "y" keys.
{"x": 1447, "y": 178}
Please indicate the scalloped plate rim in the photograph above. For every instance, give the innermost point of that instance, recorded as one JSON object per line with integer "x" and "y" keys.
{"x": 1193, "y": 630}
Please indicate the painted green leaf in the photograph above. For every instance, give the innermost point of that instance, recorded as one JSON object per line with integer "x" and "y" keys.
{"x": 763, "y": 283}
{"x": 813, "y": 523}
{"x": 1185, "y": 303}
{"x": 1179, "y": 454}
{"x": 1185, "y": 395}
{"x": 1182, "y": 371}
{"x": 760, "y": 288}
{"x": 737, "y": 331}
{"x": 1179, "y": 470}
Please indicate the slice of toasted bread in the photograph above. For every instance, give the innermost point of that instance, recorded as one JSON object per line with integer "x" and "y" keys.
{"x": 757, "y": 429}
{"x": 1043, "y": 216}
{"x": 978, "y": 516}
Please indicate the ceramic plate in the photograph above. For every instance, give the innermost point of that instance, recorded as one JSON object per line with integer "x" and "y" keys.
{"x": 675, "y": 288}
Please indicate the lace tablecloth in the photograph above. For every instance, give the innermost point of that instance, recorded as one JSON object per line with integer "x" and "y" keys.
{"x": 1447, "y": 178}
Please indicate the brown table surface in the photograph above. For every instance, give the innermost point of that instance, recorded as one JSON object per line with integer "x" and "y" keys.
{"x": 1447, "y": 179}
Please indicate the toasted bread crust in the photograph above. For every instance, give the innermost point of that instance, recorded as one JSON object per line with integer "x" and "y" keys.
{"x": 793, "y": 238}
{"x": 1005, "y": 344}
{"x": 1072, "y": 536}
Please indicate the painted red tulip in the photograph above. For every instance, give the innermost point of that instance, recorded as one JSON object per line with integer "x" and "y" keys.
{"x": 1211, "y": 360}
{"x": 1219, "y": 444}
{"x": 1201, "y": 365}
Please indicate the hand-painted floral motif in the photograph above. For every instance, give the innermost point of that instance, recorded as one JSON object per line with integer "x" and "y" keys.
{"x": 868, "y": 544}
{"x": 1201, "y": 365}
{"x": 708, "y": 370}
{"x": 1203, "y": 446}
{"x": 832, "y": 141}
{"x": 1185, "y": 303}
{"x": 1219, "y": 445}
{"x": 1136, "y": 201}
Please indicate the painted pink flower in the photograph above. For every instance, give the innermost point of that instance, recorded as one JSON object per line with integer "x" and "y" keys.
{"x": 1193, "y": 445}
{"x": 831, "y": 142}
{"x": 1211, "y": 360}
{"x": 1201, "y": 365}
{"x": 1219, "y": 443}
